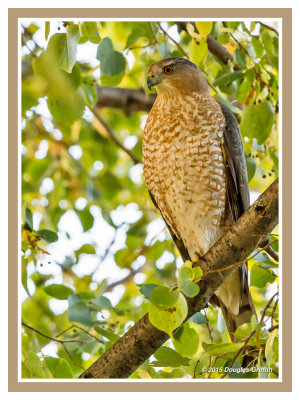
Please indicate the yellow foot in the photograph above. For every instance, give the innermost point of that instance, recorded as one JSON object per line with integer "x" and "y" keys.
{"x": 199, "y": 257}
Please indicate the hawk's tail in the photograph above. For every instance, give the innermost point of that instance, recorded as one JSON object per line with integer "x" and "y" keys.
{"x": 234, "y": 321}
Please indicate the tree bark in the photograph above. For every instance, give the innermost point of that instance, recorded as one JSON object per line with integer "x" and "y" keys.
{"x": 129, "y": 100}
{"x": 143, "y": 339}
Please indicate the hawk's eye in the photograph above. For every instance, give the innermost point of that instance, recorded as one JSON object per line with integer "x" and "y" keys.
{"x": 168, "y": 69}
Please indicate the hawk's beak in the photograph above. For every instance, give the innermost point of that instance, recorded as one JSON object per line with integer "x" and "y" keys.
{"x": 151, "y": 81}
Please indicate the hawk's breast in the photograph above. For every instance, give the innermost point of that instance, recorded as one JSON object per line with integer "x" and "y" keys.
{"x": 184, "y": 166}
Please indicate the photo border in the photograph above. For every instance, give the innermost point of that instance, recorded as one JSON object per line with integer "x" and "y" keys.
{"x": 285, "y": 216}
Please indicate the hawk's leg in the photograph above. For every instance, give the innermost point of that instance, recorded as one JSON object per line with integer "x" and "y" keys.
{"x": 199, "y": 257}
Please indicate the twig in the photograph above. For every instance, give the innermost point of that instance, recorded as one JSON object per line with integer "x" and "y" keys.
{"x": 174, "y": 41}
{"x": 238, "y": 354}
{"x": 127, "y": 278}
{"x": 267, "y": 306}
{"x": 240, "y": 262}
{"x": 269, "y": 27}
{"x": 153, "y": 33}
{"x": 194, "y": 374}
{"x": 272, "y": 253}
{"x": 51, "y": 338}
{"x": 273, "y": 311}
{"x": 83, "y": 330}
{"x": 114, "y": 138}
{"x": 62, "y": 342}
{"x": 273, "y": 327}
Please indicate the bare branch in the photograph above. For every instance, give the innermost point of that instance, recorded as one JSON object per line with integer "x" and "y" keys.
{"x": 269, "y": 27}
{"x": 114, "y": 138}
{"x": 129, "y": 100}
{"x": 272, "y": 253}
{"x": 174, "y": 41}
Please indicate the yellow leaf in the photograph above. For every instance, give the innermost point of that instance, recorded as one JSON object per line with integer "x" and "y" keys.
{"x": 204, "y": 27}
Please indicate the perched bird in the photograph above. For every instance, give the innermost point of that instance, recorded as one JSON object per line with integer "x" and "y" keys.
{"x": 195, "y": 170}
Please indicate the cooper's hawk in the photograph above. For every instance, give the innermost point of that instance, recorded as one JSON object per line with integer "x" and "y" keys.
{"x": 195, "y": 171}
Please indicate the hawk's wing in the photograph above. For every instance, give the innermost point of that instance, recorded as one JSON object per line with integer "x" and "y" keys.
{"x": 178, "y": 242}
{"x": 236, "y": 176}
{"x": 236, "y": 168}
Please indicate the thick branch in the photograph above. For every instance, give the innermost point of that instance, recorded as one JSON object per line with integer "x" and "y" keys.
{"x": 143, "y": 339}
{"x": 129, "y": 100}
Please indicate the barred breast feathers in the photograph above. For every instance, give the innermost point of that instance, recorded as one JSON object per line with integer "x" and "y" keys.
{"x": 184, "y": 168}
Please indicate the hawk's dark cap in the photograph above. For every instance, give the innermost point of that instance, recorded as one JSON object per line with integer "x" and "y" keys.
{"x": 179, "y": 60}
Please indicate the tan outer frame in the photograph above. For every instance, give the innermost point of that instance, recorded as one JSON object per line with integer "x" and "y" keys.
{"x": 286, "y": 220}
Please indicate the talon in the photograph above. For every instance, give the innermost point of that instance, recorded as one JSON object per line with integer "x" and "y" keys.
{"x": 199, "y": 257}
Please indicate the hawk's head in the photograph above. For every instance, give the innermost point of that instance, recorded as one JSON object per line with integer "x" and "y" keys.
{"x": 176, "y": 74}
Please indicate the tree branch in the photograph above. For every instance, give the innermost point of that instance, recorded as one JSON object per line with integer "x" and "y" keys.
{"x": 129, "y": 100}
{"x": 143, "y": 339}
{"x": 114, "y": 137}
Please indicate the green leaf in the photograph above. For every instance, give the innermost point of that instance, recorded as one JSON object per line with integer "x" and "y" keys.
{"x": 167, "y": 357}
{"x": 271, "y": 349}
{"x": 257, "y": 121}
{"x": 85, "y": 249}
{"x": 86, "y": 218}
{"x": 49, "y": 236}
{"x": 198, "y": 318}
{"x": 258, "y": 48}
{"x": 64, "y": 47}
{"x": 163, "y": 297}
{"x": 186, "y": 340}
{"x": 61, "y": 292}
{"x": 239, "y": 58}
{"x": 59, "y": 367}
{"x": 47, "y": 29}
{"x": 267, "y": 40}
{"x": 108, "y": 80}
{"x": 186, "y": 285}
{"x": 108, "y": 334}
{"x": 34, "y": 365}
{"x": 135, "y": 35}
{"x": 90, "y": 92}
{"x": 251, "y": 167}
{"x": 259, "y": 277}
{"x": 186, "y": 279}
{"x": 102, "y": 302}
{"x": 243, "y": 331}
{"x": 32, "y": 28}
{"x": 104, "y": 48}
{"x": 204, "y": 27}
{"x": 147, "y": 289}
{"x": 124, "y": 258}
{"x": 275, "y": 160}
{"x": 169, "y": 318}
{"x": 29, "y": 218}
{"x": 78, "y": 311}
{"x": 90, "y": 32}
{"x": 228, "y": 78}
{"x": 221, "y": 348}
{"x": 199, "y": 51}
{"x": 113, "y": 64}
{"x": 64, "y": 110}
